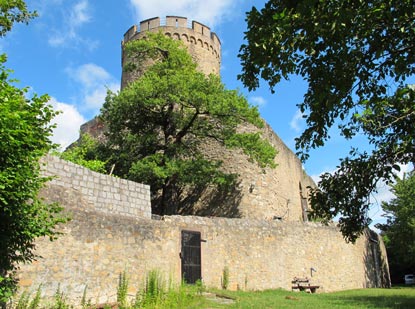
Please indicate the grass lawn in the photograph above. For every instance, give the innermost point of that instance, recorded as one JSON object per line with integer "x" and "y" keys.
{"x": 190, "y": 297}
{"x": 400, "y": 297}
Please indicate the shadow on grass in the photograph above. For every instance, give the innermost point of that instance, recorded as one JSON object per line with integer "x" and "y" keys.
{"x": 376, "y": 298}
{"x": 380, "y": 302}
{"x": 364, "y": 298}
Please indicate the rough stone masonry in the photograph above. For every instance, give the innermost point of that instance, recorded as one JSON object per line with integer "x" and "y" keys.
{"x": 104, "y": 239}
{"x": 265, "y": 241}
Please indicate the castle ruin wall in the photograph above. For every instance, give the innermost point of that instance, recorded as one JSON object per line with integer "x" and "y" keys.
{"x": 279, "y": 193}
{"x": 99, "y": 243}
{"x": 95, "y": 191}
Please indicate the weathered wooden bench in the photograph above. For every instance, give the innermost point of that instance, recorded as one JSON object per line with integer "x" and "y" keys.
{"x": 303, "y": 284}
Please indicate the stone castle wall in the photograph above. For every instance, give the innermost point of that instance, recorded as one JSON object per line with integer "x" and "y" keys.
{"x": 203, "y": 45}
{"x": 263, "y": 193}
{"x": 95, "y": 191}
{"x": 266, "y": 194}
{"x": 99, "y": 243}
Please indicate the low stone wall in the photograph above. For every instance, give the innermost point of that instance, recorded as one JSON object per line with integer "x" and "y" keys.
{"x": 260, "y": 255}
{"x": 98, "y": 192}
{"x": 97, "y": 245}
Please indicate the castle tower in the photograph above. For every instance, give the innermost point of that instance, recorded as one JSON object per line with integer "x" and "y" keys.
{"x": 270, "y": 194}
{"x": 203, "y": 45}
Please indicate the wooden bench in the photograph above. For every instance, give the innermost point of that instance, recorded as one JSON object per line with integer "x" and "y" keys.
{"x": 303, "y": 284}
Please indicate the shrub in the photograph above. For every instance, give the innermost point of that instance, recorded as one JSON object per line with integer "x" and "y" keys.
{"x": 225, "y": 278}
{"x": 122, "y": 290}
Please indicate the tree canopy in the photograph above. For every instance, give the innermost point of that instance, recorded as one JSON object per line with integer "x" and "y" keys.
{"x": 157, "y": 125}
{"x": 356, "y": 57}
{"x": 12, "y": 11}
{"x": 24, "y": 138}
{"x": 85, "y": 152}
{"x": 399, "y": 230}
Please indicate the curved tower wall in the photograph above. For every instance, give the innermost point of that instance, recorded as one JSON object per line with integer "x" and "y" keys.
{"x": 203, "y": 45}
{"x": 271, "y": 194}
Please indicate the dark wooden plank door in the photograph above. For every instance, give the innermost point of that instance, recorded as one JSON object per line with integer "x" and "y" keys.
{"x": 191, "y": 257}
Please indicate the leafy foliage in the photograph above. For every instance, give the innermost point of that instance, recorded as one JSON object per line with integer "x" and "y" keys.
{"x": 24, "y": 139}
{"x": 85, "y": 153}
{"x": 12, "y": 11}
{"x": 399, "y": 231}
{"x": 122, "y": 290}
{"x": 356, "y": 57}
{"x": 158, "y": 123}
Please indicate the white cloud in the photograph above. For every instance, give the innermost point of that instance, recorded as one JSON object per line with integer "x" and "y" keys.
{"x": 259, "y": 101}
{"x": 73, "y": 20}
{"x": 56, "y": 40}
{"x": 68, "y": 123}
{"x": 383, "y": 194}
{"x": 297, "y": 121}
{"x": 79, "y": 15}
{"x": 94, "y": 81}
{"x": 94, "y": 98}
{"x": 210, "y": 12}
{"x": 90, "y": 74}
{"x": 316, "y": 178}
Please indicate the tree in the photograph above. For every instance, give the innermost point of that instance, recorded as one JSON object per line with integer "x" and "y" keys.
{"x": 12, "y": 11}
{"x": 156, "y": 125}
{"x": 399, "y": 230}
{"x": 24, "y": 139}
{"x": 356, "y": 57}
{"x": 85, "y": 152}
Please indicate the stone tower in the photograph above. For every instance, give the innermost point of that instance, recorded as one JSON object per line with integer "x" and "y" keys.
{"x": 203, "y": 45}
{"x": 270, "y": 194}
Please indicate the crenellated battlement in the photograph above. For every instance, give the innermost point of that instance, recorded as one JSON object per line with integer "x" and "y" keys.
{"x": 173, "y": 22}
{"x": 203, "y": 44}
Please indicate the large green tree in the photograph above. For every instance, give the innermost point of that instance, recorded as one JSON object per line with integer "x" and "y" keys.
{"x": 24, "y": 138}
{"x": 356, "y": 57}
{"x": 158, "y": 123}
{"x": 399, "y": 230}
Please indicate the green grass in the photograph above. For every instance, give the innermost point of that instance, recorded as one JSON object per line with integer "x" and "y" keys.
{"x": 192, "y": 297}
{"x": 364, "y": 298}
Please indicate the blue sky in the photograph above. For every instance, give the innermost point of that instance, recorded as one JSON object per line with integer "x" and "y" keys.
{"x": 72, "y": 52}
